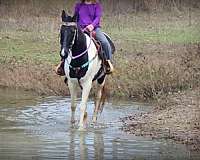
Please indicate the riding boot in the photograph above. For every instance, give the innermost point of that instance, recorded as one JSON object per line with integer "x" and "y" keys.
{"x": 60, "y": 68}
{"x": 109, "y": 67}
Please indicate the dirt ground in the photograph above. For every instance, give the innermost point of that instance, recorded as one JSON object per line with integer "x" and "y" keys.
{"x": 177, "y": 118}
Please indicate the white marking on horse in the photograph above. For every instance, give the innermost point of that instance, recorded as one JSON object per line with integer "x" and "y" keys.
{"x": 86, "y": 83}
{"x": 63, "y": 52}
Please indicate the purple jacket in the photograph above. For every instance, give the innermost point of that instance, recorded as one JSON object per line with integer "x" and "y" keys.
{"x": 88, "y": 14}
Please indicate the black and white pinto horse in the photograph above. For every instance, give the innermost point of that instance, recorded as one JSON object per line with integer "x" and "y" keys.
{"x": 82, "y": 66}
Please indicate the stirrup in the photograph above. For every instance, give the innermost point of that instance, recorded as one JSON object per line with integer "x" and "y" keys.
{"x": 109, "y": 67}
{"x": 60, "y": 69}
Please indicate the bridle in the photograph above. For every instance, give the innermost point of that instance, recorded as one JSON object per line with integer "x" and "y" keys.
{"x": 71, "y": 24}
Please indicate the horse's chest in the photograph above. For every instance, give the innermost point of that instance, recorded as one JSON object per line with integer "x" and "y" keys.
{"x": 78, "y": 68}
{"x": 77, "y": 72}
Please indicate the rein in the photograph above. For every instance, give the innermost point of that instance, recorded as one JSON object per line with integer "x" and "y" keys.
{"x": 76, "y": 34}
{"x": 81, "y": 54}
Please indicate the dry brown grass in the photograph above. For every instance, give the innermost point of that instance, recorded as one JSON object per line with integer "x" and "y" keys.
{"x": 151, "y": 60}
{"x": 152, "y": 75}
{"x": 145, "y": 75}
{"x": 40, "y": 79}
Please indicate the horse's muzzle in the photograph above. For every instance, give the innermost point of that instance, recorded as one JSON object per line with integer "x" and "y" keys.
{"x": 64, "y": 52}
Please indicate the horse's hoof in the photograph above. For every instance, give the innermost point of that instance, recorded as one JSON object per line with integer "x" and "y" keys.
{"x": 81, "y": 129}
{"x": 73, "y": 121}
{"x": 73, "y": 125}
{"x": 94, "y": 120}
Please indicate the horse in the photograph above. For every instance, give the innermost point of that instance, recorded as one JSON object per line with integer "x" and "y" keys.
{"x": 82, "y": 66}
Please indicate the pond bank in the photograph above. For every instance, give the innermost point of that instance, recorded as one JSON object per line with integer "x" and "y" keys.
{"x": 144, "y": 74}
{"x": 177, "y": 117}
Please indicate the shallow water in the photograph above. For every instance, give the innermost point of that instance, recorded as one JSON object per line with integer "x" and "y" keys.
{"x": 33, "y": 127}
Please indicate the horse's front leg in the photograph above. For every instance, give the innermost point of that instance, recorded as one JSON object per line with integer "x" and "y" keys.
{"x": 73, "y": 93}
{"x": 85, "y": 93}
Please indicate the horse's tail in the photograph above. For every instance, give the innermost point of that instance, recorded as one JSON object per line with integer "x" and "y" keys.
{"x": 104, "y": 95}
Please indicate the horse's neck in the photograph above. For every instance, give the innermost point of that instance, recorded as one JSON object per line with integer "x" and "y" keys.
{"x": 80, "y": 44}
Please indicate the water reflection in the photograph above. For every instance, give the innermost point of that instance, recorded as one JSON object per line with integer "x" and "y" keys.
{"x": 91, "y": 145}
{"x": 41, "y": 130}
{"x": 99, "y": 146}
{"x": 83, "y": 146}
{"x": 72, "y": 145}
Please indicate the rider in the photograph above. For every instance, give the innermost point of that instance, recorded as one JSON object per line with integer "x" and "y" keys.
{"x": 89, "y": 14}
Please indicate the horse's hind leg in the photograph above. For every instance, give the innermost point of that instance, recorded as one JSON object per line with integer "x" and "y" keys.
{"x": 73, "y": 93}
{"x": 98, "y": 101}
{"x": 85, "y": 93}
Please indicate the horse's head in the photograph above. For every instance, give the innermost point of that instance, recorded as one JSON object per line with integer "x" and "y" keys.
{"x": 68, "y": 32}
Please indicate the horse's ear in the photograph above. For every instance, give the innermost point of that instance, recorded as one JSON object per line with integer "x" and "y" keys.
{"x": 74, "y": 18}
{"x": 64, "y": 16}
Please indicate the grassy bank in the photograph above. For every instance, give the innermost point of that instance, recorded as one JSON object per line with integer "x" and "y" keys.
{"x": 147, "y": 73}
{"x": 148, "y": 62}
{"x": 156, "y": 54}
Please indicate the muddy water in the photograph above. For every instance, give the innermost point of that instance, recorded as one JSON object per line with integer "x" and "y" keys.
{"x": 33, "y": 127}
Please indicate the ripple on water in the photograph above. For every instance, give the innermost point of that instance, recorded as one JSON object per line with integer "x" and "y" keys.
{"x": 42, "y": 130}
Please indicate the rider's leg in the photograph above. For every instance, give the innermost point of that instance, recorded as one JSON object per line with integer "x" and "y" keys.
{"x": 106, "y": 49}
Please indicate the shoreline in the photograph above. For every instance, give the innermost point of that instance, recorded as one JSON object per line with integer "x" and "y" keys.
{"x": 175, "y": 116}
{"x": 179, "y": 120}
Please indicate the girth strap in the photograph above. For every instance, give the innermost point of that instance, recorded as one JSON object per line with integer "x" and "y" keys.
{"x": 82, "y": 66}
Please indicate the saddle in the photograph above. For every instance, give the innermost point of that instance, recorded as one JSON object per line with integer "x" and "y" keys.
{"x": 99, "y": 45}
{"x": 105, "y": 65}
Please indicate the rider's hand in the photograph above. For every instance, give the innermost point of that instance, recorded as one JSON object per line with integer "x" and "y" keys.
{"x": 90, "y": 27}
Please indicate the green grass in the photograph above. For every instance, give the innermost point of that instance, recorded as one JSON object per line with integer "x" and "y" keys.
{"x": 26, "y": 47}
{"x": 165, "y": 35}
{"x": 44, "y": 47}
{"x": 36, "y": 38}
{"x": 164, "y": 27}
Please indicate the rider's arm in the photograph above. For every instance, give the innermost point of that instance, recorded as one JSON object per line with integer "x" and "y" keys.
{"x": 98, "y": 14}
